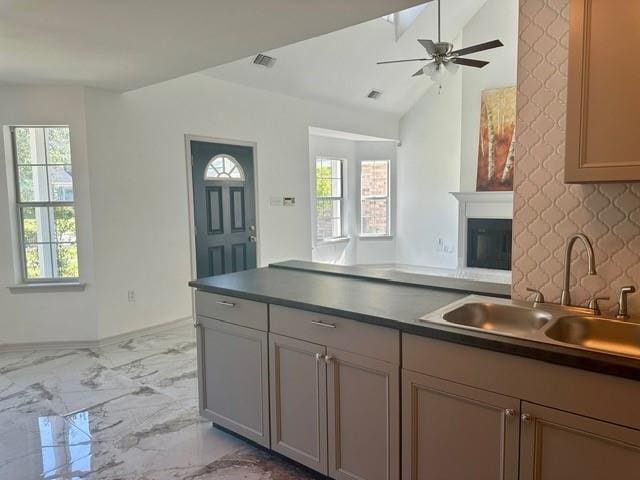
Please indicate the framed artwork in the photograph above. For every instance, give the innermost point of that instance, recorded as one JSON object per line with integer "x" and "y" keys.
{"x": 497, "y": 138}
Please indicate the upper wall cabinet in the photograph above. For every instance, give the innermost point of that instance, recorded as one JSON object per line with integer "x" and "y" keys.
{"x": 603, "y": 130}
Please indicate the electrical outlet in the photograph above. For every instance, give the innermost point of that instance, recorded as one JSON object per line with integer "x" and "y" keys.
{"x": 131, "y": 296}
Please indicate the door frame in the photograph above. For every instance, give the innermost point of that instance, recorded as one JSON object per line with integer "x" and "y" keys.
{"x": 188, "y": 138}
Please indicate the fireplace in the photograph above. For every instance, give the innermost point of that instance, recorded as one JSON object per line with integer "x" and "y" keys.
{"x": 489, "y": 243}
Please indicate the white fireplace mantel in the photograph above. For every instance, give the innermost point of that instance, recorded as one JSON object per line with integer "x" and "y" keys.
{"x": 479, "y": 205}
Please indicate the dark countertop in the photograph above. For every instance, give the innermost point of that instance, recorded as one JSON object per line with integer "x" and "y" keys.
{"x": 402, "y": 278}
{"x": 398, "y": 306}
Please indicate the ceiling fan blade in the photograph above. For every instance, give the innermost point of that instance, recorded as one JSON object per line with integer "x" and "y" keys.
{"x": 408, "y": 60}
{"x": 478, "y": 48}
{"x": 429, "y": 46}
{"x": 469, "y": 62}
{"x": 418, "y": 73}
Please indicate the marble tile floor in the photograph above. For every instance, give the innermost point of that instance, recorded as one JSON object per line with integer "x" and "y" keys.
{"x": 126, "y": 411}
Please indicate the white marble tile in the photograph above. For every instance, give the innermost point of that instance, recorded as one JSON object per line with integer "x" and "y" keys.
{"x": 172, "y": 372}
{"x": 126, "y": 411}
{"x": 34, "y": 441}
{"x": 168, "y": 446}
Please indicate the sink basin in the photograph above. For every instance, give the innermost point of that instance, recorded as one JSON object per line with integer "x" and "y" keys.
{"x": 598, "y": 334}
{"x": 498, "y": 318}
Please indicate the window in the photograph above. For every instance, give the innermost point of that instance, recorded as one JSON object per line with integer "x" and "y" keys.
{"x": 329, "y": 196}
{"x": 223, "y": 167}
{"x": 374, "y": 198}
{"x": 45, "y": 203}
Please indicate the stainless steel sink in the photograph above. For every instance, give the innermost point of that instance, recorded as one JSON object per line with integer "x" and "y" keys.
{"x": 622, "y": 338}
{"x": 499, "y": 318}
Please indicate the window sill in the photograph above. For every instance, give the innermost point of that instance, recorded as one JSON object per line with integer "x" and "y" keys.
{"x": 332, "y": 241}
{"x": 375, "y": 237}
{"x": 48, "y": 287}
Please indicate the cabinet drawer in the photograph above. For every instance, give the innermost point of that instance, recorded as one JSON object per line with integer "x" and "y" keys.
{"x": 349, "y": 335}
{"x": 234, "y": 310}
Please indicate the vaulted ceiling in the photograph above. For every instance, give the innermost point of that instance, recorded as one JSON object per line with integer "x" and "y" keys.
{"x": 340, "y": 67}
{"x": 126, "y": 44}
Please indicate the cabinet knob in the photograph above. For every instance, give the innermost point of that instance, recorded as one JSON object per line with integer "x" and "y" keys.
{"x": 318, "y": 357}
{"x": 510, "y": 412}
{"x": 328, "y": 358}
{"x": 526, "y": 417}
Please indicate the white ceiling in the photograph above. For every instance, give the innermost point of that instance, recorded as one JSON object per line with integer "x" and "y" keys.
{"x": 340, "y": 67}
{"x": 126, "y": 44}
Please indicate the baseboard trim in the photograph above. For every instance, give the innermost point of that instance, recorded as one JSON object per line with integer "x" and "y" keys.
{"x": 76, "y": 344}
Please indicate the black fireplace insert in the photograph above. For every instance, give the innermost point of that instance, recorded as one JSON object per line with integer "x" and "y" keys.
{"x": 489, "y": 243}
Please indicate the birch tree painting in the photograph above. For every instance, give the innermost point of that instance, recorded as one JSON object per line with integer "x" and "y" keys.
{"x": 497, "y": 136}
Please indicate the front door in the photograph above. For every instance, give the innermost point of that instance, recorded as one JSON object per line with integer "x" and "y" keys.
{"x": 224, "y": 208}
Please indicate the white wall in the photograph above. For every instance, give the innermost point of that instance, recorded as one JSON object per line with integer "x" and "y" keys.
{"x": 440, "y": 141}
{"x": 134, "y": 228}
{"x": 355, "y": 249}
{"x": 59, "y": 316}
{"x": 428, "y": 169}
{"x": 496, "y": 19}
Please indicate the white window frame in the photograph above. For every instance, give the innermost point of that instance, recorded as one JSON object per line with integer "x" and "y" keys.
{"x": 362, "y": 197}
{"x": 19, "y": 204}
{"x": 343, "y": 168}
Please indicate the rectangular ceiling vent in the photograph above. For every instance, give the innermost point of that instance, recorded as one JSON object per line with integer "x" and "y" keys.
{"x": 264, "y": 60}
{"x": 375, "y": 94}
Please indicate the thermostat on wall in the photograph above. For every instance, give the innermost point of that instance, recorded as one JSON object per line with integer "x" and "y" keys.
{"x": 282, "y": 201}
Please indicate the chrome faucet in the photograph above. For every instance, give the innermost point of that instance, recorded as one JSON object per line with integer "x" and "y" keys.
{"x": 566, "y": 295}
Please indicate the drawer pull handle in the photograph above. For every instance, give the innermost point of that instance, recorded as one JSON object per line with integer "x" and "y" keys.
{"x": 225, "y": 304}
{"x": 323, "y": 324}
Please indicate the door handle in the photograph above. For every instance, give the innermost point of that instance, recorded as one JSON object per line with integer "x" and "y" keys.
{"x": 253, "y": 238}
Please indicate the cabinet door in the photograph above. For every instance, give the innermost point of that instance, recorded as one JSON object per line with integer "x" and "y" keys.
{"x": 603, "y": 102}
{"x": 557, "y": 445}
{"x": 454, "y": 431}
{"x": 363, "y": 414}
{"x": 298, "y": 377}
{"x": 233, "y": 378}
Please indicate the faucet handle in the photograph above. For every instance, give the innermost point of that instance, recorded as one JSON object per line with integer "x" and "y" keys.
{"x": 594, "y": 306}
{"x": 539, "y": 298}
{"x": 623, "y": 313}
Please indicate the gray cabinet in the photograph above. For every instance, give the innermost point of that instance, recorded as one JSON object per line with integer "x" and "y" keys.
{"x": 298, "y": 378}
{"x": 453, "y": 431}
{"x": 557, "y": 445}
{"x": 363, "y": 417}
{"x": 232, "y": 377}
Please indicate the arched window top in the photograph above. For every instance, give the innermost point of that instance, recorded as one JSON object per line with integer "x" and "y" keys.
{"x": 223, "y": 167}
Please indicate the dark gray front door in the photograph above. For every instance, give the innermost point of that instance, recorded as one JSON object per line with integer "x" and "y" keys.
{"x": 224, "y": 208}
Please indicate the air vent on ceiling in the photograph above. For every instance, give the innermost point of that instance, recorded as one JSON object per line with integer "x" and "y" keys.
{"x": 264, "y": 60}
{"x": 375, "y": 94}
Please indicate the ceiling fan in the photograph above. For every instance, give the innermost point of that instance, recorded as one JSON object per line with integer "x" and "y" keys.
{"x": 442, "y": 54}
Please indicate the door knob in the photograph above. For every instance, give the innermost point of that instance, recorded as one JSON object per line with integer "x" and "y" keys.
{"x": 526, "y": 417}
{"x": 253, "y": 238}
